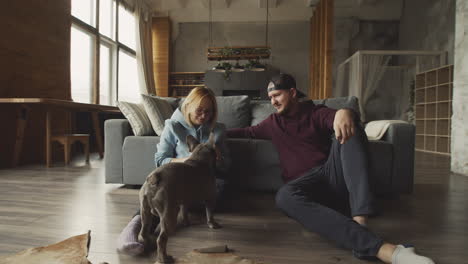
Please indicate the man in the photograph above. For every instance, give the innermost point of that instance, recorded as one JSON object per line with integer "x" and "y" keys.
{"x": 324, "y": 164}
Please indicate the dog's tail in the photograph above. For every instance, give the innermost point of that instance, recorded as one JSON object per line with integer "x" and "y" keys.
{"x": 154, "y": 179}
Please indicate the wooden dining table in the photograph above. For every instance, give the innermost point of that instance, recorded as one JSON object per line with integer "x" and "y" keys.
{"x": 50, "y": 105}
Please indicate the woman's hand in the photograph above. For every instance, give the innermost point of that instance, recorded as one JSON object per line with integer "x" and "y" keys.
{"x": 343, "y": 125}
{"x": 219, "y": 154}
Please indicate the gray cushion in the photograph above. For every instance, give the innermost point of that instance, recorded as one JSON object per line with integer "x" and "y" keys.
{"x": 137, "y": 117}
{"x": 255, "y": 164}
{"x": 173, "y": 101}
{"x": 261, "y": 109}
{"x": 234, "y": 111}
{"x": 138, "y": 158}
{"x": 350, "y": 102}
{"x": 381, "y": 163}
{"x": 158, "y": 110}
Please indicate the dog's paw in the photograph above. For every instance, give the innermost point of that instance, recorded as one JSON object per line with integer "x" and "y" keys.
{"x": 214, "y": 225}
{"x": 166, "y": 259}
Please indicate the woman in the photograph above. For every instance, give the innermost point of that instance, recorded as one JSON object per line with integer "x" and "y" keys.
{"x": 197, "y": 117}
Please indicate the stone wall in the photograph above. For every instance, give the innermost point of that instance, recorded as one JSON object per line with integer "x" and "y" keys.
{"x": 460, "y": 92}
{"x": 352, "y": 34}
{"x": 428, "y": 25}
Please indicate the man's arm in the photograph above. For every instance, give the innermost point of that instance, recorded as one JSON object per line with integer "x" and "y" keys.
{"x": 339, "y": 121}
{"x": 260, "y": 131}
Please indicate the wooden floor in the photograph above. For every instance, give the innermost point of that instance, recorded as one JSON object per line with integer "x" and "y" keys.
{"x": 40, "y": 206}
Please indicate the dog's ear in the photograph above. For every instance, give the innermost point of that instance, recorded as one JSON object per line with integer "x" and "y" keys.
{"x": 211, "y": 140}
{"x": 192, "y": 142}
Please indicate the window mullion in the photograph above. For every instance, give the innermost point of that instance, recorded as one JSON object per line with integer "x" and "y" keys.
{"x": 117, "y": 49}
{"x": 97, "y": 49}
{"x": 127, "y": 49}
{"x": 84, "y": 25}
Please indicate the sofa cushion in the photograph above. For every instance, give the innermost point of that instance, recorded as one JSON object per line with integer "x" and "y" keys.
{"x": 138, "y": 158}
{"x": 234, "y": 111}
{"x": 261, "y": 109}
{"x": 173, "y": 101}
{"x": 350, "y": 102}
{"x": 381, "y": 164}
{"x": 137, "y": 117}
{"x": 158, "y": 110}
{"x": 255, "y": 164}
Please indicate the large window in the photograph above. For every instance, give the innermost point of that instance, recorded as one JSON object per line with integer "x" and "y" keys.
{"x": 103, "y": 58}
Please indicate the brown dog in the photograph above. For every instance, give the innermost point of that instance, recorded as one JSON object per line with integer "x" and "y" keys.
{"x": 178, "y": 185}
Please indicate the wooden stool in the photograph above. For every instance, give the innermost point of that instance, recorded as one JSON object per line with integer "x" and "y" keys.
{"x": 67, "y": 140}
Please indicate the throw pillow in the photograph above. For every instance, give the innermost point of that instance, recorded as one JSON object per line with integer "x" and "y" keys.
{"x": 260, "y": 111}
{"x": 350, "y": 102}
{"x": 173, "y": 101}
{"x": 234, "y": 111}
{"x": 158, "y": 111}
{"x": 136, "y": 116}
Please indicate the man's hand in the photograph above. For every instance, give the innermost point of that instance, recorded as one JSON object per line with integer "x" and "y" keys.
{"x": 343, "y": 125}
{"x": 219, "y": 154}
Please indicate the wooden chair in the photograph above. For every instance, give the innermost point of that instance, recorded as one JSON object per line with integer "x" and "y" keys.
{"x": 67, "y": 141}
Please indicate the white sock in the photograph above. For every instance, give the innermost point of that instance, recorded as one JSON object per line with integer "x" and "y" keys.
{"x": 128, "y": 239}
{"x": 406, "y": 255}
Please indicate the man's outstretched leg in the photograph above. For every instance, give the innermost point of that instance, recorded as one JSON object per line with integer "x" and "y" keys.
{"x": 298, "y": 203}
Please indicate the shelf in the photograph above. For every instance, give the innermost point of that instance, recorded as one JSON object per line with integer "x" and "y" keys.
{"x": 433, "y": 106}
{"x": 187, "y": 73}
{"x": 433, "y": 152}
{"x": 433, "y": 135}
{"x": 431, "y": 86}
{"x": 238, "y": 53}
{"x": 436, "y": 102}
{"x": 181, "y": 83}
{"x": 447, "y": 118}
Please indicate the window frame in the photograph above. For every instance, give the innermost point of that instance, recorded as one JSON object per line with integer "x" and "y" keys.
{"x": 115, "y": 45}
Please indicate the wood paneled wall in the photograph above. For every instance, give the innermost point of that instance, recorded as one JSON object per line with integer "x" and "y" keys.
{"x": 161, "y": 53}
{"x": 321, "y": 50}
{"x": 35, "y": 62}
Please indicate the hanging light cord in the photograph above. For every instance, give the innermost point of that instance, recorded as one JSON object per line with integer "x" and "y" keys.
{"x": 266, "y": 25}
{"x": 210, "y": 26}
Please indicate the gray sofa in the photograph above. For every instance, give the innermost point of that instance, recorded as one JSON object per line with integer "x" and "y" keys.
{"x": 255, "y": 163}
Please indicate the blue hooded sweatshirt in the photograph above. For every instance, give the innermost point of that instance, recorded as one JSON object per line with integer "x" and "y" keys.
{"x": 172, "y": 143}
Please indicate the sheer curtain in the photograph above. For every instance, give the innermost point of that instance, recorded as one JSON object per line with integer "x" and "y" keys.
{"x": 143, "y": 47}
{"x": 373, "y": 69}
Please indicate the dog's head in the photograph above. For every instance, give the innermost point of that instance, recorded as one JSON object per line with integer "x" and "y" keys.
{"x": 202, "y": 151}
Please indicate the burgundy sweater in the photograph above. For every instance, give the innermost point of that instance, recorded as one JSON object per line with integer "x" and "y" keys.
{"x": 303, "y": 141}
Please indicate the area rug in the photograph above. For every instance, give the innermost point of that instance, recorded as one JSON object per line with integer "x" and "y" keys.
{"x": 75, "y": 250}
{"x": 70, "y": 251}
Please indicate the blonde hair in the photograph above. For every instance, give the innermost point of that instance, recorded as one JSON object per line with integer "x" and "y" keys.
{"x": 193, "y": 101}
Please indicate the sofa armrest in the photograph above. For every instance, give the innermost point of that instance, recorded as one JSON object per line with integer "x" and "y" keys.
{"x": 402, "y": 138}
{"x": 115, "y": 131}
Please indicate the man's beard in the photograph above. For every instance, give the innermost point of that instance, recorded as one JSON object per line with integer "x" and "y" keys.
{"x": 286, "y": 109}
